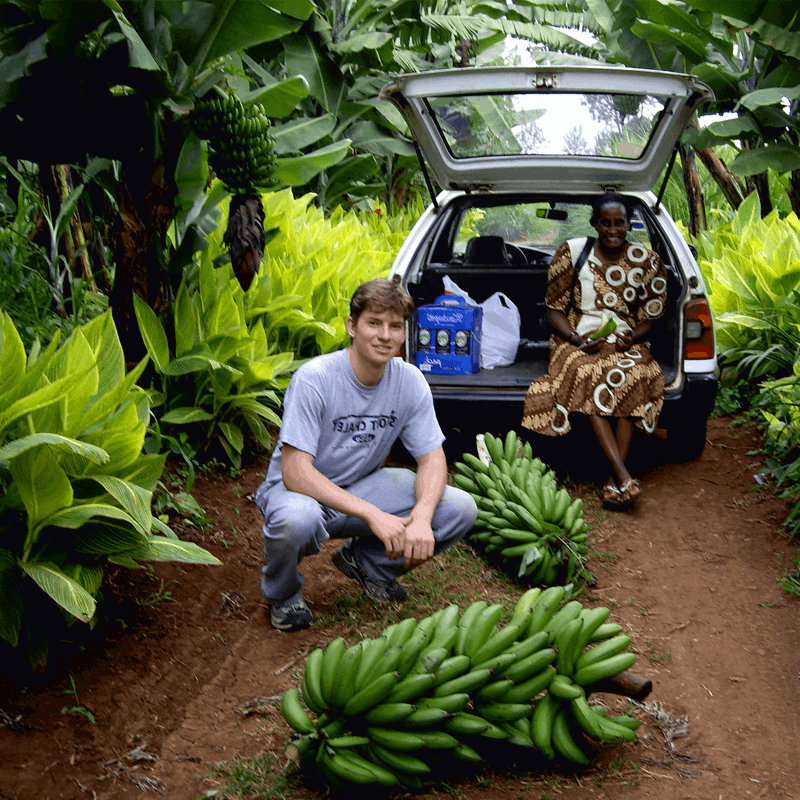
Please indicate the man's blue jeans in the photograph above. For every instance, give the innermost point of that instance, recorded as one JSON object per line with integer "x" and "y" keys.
{"x": 295, "y": 526}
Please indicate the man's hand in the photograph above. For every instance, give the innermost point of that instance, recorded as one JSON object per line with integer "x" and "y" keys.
{"x": 403, "y": 537}
{"x": 391, "y": 530}
{"x": 419, "y": 543}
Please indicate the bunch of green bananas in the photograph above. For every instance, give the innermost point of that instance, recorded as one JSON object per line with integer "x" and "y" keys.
{"x": 537, "y": 529}
{"x": 394, "y": 709}
{"x": 240, "y": 149}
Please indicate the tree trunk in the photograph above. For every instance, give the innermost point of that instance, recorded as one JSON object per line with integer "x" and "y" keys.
{"x": 464, "y": 51}
{"x": 760, "y": 184}
{"x": 728, "y": 183}
{"x": 694, "y": 194}
{"x": 146, "y": 200}
{"x": 794, "y": 191}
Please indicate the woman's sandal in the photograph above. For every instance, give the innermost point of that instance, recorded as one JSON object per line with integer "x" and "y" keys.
{"x": 612, "y": 496}
{"x": 631, "y": 490}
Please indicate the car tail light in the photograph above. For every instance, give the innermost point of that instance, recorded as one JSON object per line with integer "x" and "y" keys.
{"x": 698, "y": 333}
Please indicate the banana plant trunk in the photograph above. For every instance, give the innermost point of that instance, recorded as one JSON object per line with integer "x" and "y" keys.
{"x": 146, "y": 203}
{"x": 760, "y": 185}
{"x": 694, "y": 192}
{"x": 794, "y": 191}
{"x": 728, "y": 183}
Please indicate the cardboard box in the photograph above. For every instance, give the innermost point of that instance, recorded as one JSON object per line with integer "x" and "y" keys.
{"x": 448, "y": 336}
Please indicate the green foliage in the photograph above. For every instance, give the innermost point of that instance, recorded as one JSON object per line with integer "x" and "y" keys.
{"x": 752, "y": 271}
{"x": 220, "y": 376}
{"x": 226, "y": 355}
{"x": 790, "y": 582}
{"x": 310, "y": 269}
{"x": 76, "y": 488}
{"x": 23, "y": 287}
{"x": 749, "y": 64}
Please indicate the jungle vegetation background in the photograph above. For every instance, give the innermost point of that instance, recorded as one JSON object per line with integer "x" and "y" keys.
{"x": 110, "y": 210}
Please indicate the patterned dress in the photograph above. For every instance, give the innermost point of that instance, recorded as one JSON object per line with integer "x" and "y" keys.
{"x": 606, "y": 383}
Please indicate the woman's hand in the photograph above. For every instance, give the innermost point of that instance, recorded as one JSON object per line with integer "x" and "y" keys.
{"x": 624, "y": 341}
{"x": 591, "y": 345}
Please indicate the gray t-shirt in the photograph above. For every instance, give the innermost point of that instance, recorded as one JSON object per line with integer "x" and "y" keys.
{"x": 348, "y": 427}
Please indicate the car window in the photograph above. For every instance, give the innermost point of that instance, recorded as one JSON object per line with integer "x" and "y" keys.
{"x": 579, "y": 124}
{"x": 541, "y": 225}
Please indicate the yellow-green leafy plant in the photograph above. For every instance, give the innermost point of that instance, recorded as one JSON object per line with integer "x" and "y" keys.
{"x": 312, "y": 265}
{"x": 76, "y": 485}
{"x": 220, "y": 379}
{"x": 752, "y": 270}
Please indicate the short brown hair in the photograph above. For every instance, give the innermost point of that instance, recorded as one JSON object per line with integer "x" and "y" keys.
{"x": 381, "y": 294}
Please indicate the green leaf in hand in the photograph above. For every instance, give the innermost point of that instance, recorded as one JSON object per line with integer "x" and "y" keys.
{"x": 608, "y": 326}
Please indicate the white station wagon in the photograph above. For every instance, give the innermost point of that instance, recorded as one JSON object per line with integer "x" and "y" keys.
{"x": 520, "y": 153}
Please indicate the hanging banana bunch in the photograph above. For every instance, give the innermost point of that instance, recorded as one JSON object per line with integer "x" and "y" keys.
{"x": 240, "y": 151}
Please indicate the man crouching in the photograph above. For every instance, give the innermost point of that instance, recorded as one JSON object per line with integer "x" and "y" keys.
{"x": 342, "y": 413}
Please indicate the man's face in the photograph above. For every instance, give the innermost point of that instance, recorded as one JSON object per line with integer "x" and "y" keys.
{"x": 377, "y": 335}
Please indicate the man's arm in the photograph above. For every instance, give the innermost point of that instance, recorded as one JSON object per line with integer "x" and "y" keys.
{"x": 429, "y": 485}
{"x": 300, "y": 475}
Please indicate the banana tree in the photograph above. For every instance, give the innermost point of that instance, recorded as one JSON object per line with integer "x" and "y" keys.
{"x": 128, "y": 72}
{"x": 748, "y": 53}
{"x": 349, "y": 49}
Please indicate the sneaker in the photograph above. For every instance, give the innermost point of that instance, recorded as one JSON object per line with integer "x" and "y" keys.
{"x": 392, "y": 591}
{"x": 291, "y": 615}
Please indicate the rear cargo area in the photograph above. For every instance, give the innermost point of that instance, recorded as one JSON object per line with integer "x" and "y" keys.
{"x": 525, "y": 286}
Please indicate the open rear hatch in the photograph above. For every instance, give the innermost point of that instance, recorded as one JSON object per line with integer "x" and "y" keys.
{"x": 536, "y": 128}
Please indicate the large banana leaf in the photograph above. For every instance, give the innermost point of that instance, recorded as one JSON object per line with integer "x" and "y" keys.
{"x": 301, "y": 133}
{"x": 57, "y": 443}
{"x": 165, "y": 549}
{"x": 43, "y": 487}
{"x": 299, "y": 170}
{"x": 12, "y": 592}
{"x": 325, "y": 80}
{"x": 66, "y": 591}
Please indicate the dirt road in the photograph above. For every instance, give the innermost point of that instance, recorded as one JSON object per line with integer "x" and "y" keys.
{"x": 692, "y": 570}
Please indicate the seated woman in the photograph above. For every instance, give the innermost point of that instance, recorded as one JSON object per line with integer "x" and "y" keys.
{"x": 612, "y": 379}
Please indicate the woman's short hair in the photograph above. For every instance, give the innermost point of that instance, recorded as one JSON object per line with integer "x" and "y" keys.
{"x": 381, "y": 295}
{"x": 609, "y": 199}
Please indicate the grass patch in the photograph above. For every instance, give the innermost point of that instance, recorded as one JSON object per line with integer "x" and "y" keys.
{"x": 457, "y": 575}
{"x": 243, "y": 779}
{"x": 790, "y": 582}
{"x": 619, "y": 771}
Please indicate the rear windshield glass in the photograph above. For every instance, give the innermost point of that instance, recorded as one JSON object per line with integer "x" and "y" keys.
{"x": 539, "y": 225}
{"x": 613, "y": 125}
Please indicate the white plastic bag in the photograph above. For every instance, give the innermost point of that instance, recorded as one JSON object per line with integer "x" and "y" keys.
{"x": 451, "y": 287}
{"x": 500, "y": 339}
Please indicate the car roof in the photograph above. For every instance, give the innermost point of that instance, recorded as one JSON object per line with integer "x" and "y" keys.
{"x": 507, "y": 128}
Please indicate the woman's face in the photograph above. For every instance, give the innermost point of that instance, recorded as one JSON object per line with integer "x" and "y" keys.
{"x": 612, "y": 226}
